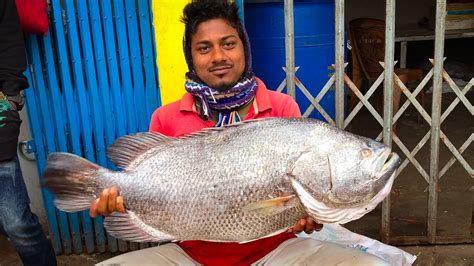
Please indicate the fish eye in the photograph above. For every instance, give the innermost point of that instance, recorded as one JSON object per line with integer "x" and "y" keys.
{"x": 366, "y": 153}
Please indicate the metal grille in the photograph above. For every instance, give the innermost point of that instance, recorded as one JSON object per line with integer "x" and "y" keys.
{"x": 387, "y": 119}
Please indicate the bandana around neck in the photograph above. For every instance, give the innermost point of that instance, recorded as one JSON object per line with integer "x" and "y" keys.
{"x": 222, "y": 102}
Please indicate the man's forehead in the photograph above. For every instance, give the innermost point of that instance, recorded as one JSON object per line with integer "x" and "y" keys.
{"x": 214, "y": 29}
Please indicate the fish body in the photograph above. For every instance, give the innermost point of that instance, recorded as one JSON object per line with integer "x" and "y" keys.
{"x": 236, "y": 184}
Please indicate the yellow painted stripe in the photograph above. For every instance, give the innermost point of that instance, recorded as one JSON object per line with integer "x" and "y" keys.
{"x": 168, "y": 37}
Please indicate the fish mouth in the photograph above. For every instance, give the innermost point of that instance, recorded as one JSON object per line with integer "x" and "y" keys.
{"x": 388, "y": 162}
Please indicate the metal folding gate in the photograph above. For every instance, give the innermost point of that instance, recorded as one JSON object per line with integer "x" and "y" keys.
{"x": 437, "y": 74}
{"x": 94, "y": 79}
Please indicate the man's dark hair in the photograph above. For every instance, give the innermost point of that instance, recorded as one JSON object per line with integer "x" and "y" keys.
{"x": 199, "y": 11}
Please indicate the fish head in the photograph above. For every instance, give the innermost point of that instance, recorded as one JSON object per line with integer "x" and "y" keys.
{"x": 343, "y": 176}
{"x": 359, "y": 168}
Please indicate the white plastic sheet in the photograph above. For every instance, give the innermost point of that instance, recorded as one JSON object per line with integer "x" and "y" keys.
{"x": 337, "y": 234}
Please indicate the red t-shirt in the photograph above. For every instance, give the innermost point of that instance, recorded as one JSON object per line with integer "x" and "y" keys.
{"x": 181, "y": 118}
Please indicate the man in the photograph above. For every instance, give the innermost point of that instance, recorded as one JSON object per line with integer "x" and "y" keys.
{"x": 16, "y": 219}
{"x": 221, "y": 89}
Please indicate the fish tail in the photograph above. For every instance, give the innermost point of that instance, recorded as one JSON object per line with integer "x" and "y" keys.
{"x": 73, "y": 180}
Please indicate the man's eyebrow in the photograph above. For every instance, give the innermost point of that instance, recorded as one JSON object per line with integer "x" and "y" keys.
{"x": 203, "y": 42}
{"x": 222, "y": 39}
{"x": 228, "y": 36}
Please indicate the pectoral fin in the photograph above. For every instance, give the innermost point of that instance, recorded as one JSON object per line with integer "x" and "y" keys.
{"x": 272, "y": 206}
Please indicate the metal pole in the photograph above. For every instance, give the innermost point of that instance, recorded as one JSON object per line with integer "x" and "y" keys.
{"x": 339, "y": 49}
{"x": 388, "y": 99}
{"x": 289, "y": 49}
{"x": 435, "y": 118}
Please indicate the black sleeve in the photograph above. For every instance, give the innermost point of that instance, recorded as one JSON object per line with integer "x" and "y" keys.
{"x": 12, "y": 50}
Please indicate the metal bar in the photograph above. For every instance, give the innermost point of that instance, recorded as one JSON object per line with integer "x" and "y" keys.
{"x": 115, "y": 85}
{"x": 453, "y": 159}
{"x": 388, "y": 99}
{"x": 103, "y": 114}
{"x": 97, "y": 112}
{"x": 356, "y": 91}
{"x": 457, "y": 100}
{"x": 339, "y": 62}
{"x": 413, "y": 100}
{"x": 314, "y": 102}
{"x": 113, "y": 69}
{"x": 455, "y": 152}
{"x": 320, "y": 95}
{"x": 56, "y": 101}
{"x": 457, "y": 91}
{"x": 413, "y": 152}
{"x": 363, "y": 99}
{"x": 435, "y": 116}
{"x": 123, "y": 50}
{"x": 418, "y": 89}
{"x": 68, "y": 94}
{"x": 290, "y": 48}
{"x": 411, "y": 158}
{"x": 137, "y": 67}
{"x": 403, "y": 54}
{"x": 146, "y": 34}
{"x": 40, "y": 155}
{"x": 86, "y": 126}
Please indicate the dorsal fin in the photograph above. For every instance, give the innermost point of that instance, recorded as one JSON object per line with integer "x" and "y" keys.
{"x": 211, "y": 130}
{"x": 126, "y": 149}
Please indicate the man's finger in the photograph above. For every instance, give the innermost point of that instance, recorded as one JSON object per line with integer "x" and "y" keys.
{"x": 310, "y": 225}
{"x": 318, "y": 227}
{"x": 300, "y": 225}
{"x": 120, "y": 206}
{"x": 93, "y": 209}
{"x": 103, "y": 202}
{"x": 112, "y": 199}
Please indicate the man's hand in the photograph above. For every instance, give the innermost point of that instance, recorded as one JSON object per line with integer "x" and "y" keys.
{"x": 307, "y": 225}
{"x": 108, "y": 202}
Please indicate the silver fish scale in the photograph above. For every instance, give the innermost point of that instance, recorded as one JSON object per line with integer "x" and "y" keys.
{"x": 195, "y": 188}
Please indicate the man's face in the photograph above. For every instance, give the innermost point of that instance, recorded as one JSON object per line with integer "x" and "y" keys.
{"x": 218, "y": 54}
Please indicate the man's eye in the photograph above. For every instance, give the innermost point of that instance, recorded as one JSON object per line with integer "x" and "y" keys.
{"x": 203, "y": 49}
{"x": 229, "y": 45}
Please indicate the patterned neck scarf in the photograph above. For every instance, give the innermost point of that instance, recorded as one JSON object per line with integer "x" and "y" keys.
{"x": 225, "y": 103}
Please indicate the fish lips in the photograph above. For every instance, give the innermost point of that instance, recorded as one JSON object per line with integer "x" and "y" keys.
{"x": 392, "y": 162}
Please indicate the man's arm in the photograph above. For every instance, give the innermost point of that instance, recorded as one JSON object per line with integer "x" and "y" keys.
{"x": 12, "y": 54}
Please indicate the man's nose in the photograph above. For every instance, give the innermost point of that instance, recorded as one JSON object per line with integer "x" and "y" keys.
{"x": 219, "y": 55}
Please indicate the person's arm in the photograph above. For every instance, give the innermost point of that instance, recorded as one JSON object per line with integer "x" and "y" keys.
{"x": 12, "y": 54}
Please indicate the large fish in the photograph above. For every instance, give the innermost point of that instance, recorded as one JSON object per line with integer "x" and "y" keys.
{"x": 243, "y": 182}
